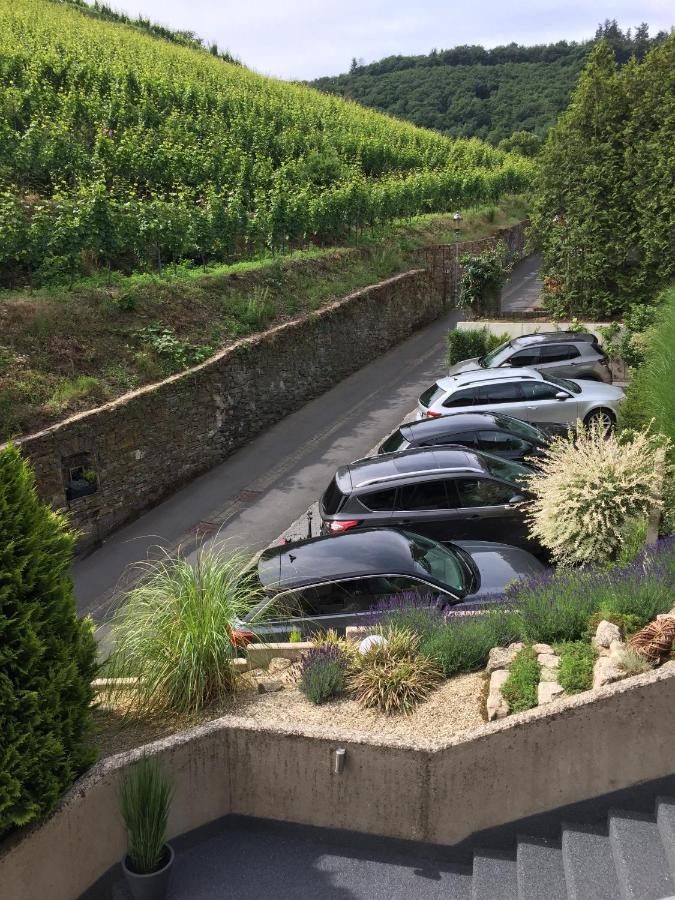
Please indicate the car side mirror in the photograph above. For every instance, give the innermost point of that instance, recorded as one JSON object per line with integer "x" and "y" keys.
{"x": 561, "y": 395}
{"x": 516, "y": 499}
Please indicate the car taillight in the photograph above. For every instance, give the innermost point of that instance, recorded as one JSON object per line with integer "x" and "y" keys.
{"x": 240, "y": 638}
{"x": 337, "y": 527}
{"x": 430, "y": 414}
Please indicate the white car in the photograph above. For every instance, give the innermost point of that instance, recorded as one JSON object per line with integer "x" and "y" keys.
{"x": 525, "y": 394}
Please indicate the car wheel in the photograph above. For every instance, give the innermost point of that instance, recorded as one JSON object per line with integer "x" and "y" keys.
{"x": 604, "y": 418}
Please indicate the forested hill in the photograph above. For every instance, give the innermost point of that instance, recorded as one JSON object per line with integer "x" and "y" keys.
{"x": 119, "y": 150}
{"x": 473, "y": 92}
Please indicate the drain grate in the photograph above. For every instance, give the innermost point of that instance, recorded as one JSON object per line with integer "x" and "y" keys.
{"x": 247, "y": 496}
{"x": 204, "y": 528}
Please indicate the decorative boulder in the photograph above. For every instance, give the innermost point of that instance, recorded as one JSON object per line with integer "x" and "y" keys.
{"x": 502, "y": 657}
{"x": 606, "y": 632}
{"x": 655, "y": 641}
{"x": 278, "y": 664}
{"x": 497, "y": 707}
{"x": 548, "y": 691}
{"x": 606, "y": 671}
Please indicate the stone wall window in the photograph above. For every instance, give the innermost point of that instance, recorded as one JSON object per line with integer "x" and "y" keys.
{"x": 79, "y": 476}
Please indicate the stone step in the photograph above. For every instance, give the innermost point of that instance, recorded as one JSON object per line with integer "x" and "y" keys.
{"x": 589, "y": 865}
{"x": 639, "y": 857}
{"x": 494, "y": 875}
{"x": 665, "y": 819}
{"x": 541, "y": 875}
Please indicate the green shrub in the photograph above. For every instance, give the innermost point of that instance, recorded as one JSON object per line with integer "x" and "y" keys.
{"x": 464, "y": 643}
{"x": 482, "y": 276}
{"x": 175, "y": 630}
{"x": 628, "y": 624}
{"x": 295, "y": 636}
{"x": 632, "y": 662}
{"x": 467, "y": 343}
{"x": 393, "y": 676}
{"x": 520, "y": 688}
{"x": 145, "y": 796}
{"x": 323, "y": 673}
{"x": 576, "y": 666}
{"x": 47, "y": 654}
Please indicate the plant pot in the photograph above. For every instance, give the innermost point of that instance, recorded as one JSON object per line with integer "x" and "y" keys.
{"x": 152, "y": 886}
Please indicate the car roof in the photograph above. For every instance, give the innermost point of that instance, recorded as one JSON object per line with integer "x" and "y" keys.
{"x": 553, "y": 337}
{"x": 453, "y": 422}
{"x": 417, "y": 460}
{"x": 368, "y": 551}
{"x": 486, "y": 376}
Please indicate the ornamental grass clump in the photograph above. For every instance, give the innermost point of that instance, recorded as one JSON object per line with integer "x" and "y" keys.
{"x": 323, "y": 673}
{"x": 174, "y": 631}
{"x": 590, "y": 489}
{"x": 393, "y": 676}
{"x": 145, "y": 796}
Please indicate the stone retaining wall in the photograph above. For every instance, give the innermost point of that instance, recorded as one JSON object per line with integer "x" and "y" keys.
{"x": 569, "y": 751}
{"x": 141, "y": 447}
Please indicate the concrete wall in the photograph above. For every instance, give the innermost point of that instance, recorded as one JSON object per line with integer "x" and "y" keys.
{"x": 569, "y": 751}
{"x": 145, "y": 444}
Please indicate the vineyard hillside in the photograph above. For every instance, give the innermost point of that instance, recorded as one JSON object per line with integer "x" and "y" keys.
{"x": 123, "y": 151}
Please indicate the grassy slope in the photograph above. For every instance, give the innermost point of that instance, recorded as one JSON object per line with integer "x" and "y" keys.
{"x": 68, "y": 351}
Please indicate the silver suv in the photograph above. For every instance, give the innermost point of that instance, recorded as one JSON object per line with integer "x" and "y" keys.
{"x": 562, "y": 353}
{"x": 524, "y": 394}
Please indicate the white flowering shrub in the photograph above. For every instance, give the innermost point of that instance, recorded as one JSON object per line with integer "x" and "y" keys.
{"x": 593, "y": 487}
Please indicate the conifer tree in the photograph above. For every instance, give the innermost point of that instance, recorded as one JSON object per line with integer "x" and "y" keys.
{"x": 47, "y": 654}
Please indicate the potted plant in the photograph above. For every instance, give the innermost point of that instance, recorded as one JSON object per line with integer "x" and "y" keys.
{"x": 145, "y": 796}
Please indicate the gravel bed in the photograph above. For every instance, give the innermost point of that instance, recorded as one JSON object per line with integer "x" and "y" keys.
{"x": 453, "y": 708}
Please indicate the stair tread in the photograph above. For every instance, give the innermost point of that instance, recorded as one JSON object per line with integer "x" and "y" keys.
{"x": 665, "y": 819}
{"x": 590, "y": 872}
{"x": 494, "y": 875}
{"x": 541, "y": 875}
{"x": 639, "y": 857}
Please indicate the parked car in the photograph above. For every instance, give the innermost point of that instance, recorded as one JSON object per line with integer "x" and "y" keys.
{"x": 525, "y": 394}
{"x": 332, "y": 582}
{"x": 565, "y": 354}
{"x": 491, "y": 432}
{"x": 443, "y": 493}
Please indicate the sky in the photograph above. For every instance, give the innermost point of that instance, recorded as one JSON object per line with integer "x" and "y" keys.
{"x": 304, "y": 39}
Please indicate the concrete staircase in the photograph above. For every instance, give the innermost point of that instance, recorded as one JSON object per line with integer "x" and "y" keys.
{"x": 633, "y": 858}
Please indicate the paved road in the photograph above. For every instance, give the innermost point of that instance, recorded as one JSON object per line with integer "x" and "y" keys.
{"x": 523, "y": 291}
{"x": 252, "y": 497}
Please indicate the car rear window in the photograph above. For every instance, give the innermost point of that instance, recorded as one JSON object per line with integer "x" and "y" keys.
{"x": 332, "y": 498}
{"x": 394, "y": 442}
{"x": 431, "y": 395}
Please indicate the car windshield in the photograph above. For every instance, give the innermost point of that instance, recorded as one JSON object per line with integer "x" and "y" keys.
{"x": 522, "y": 429}
{"x": 564, "y": 383}
{"x": 506, "y": 469}
{"x": 445, "y": 565}
{"x": 496, "y": 356}
{"x": 431, "y": 395}
{"x": 394, "y": 442}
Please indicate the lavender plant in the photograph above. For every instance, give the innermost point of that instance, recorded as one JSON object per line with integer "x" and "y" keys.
{"x": 323, "y": 672}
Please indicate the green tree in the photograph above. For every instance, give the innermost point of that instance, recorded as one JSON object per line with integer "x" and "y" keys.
{"x": 523, "y": 142}
{"x": 603, "y": 199}
{"x": 47, "y": 654}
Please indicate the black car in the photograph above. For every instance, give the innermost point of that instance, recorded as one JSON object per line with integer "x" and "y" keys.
{"x": 332, "y": 582}
{"x": 445, "y": 493}
{"x": 492, "y": 433}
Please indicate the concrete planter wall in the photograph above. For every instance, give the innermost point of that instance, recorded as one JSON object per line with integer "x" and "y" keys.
{"x": 569, "y": 751}
{"x": 147, "y": 443}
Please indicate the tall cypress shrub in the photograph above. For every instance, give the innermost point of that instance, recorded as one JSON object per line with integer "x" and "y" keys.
{"x": 47, "y": 654}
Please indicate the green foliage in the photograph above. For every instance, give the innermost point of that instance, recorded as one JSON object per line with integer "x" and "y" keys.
{"x": 603, "y": 196}
{"x": 174, "y": 630}
{"x": 523, "y": 142}
{"x": 175, "y": 353}
{"x": 132, "y": 153}
{"x": 467, "y": 343}
{"x": 47, "y": 654}
{"x": 577, "y": 659}
{"x": 632, "y": 662}
{"x": 393, "y": 676}
{"x": 295, "y": 636}
{"x": 482, "y": 276}
{"x": 145, "y": 797}
{"x": 520, "y": 688}
{"x": 323, "y": 674}
{"x": 469, "y": 91}
{"x": 463, "y": 644}
{"x": 650, "y": 397}
{"x": 627, "y": 623}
